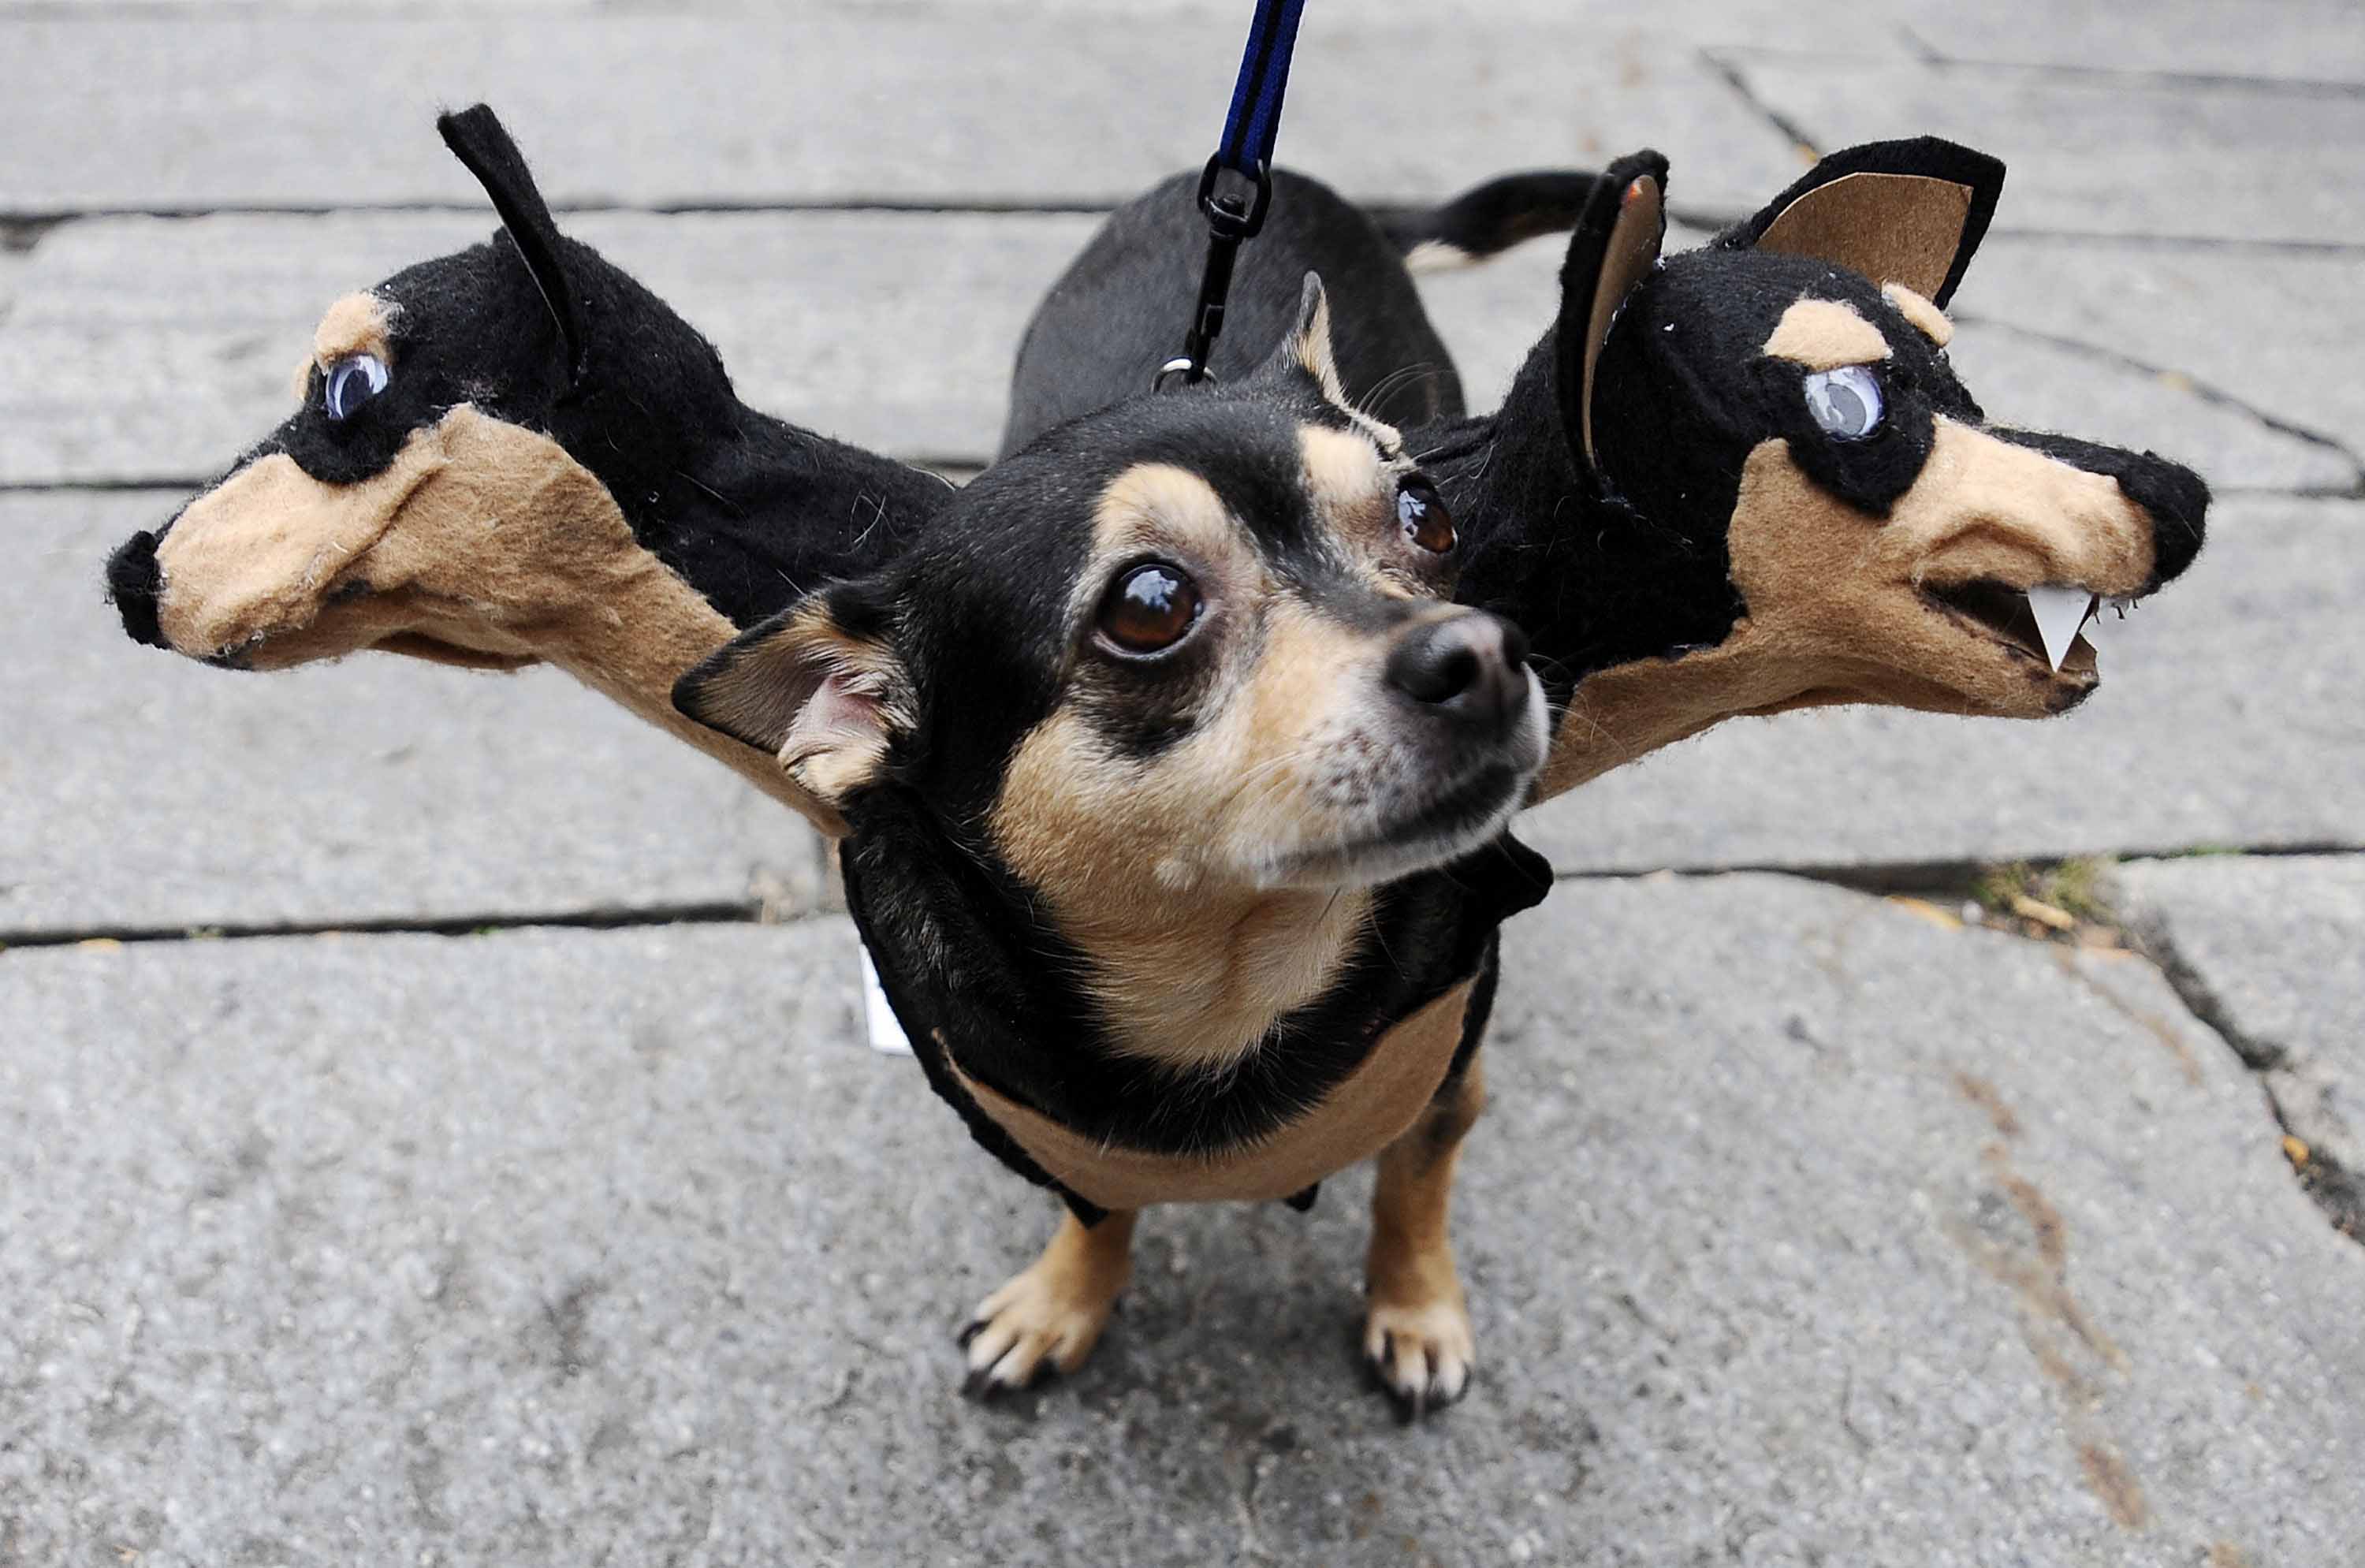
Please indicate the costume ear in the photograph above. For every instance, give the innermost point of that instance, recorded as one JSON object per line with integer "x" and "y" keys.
{"x": 1902, "y": 212}
{"x": 1306, "y": 347}
{"x": 1615, "y": 246}
{"x": 477, "y": 138}
{"x": 820, "y": 686}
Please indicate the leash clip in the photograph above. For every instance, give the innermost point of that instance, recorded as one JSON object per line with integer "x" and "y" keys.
{"x": 1233, "y": 216}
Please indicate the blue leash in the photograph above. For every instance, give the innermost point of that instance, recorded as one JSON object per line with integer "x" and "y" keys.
{"x": 1245, "y": 155}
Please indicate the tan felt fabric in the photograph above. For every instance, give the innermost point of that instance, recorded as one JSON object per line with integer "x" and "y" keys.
{"x": 1366, "y": 1112}
{"x": 1824, "y": 335}
{"x": 1891, "y": 228}
{"x": 358, "y": 323}
{"x": 483, "y": 543}
{"x": 1836, "y": 610}
{"x": 1633, "y": 250}
{"x": 1927, "y": 318}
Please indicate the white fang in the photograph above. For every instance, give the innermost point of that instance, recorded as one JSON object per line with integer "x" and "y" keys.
{"x": 2059, "y": 611}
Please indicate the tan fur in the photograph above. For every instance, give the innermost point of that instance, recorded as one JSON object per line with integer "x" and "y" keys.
{"x": 1824, "y": 335}
{"x": 826, "y": 748}
{"x": 1417, "y": 1327}
{"x": 1156, "y": 869}
{"x": 1311, "y": 344}
{"x": 358, "y": 323}
{"x": 1926, "y": 318}
{"x": 1345, "y": 476}
{"x": 1158, "y": 506}
{"x": 1891, "y": 228}
{"x": 1369, "y": 1110}
{"x": 483, "y": 543}
{"x": 1834, "y": 609}
{"x": 1054, "y": 1310}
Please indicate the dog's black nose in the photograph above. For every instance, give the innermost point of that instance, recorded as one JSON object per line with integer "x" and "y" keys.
{"x": 1473, "y": 666}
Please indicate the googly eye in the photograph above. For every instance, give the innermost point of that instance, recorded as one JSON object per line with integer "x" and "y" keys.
{"x": 353, "y": 381}
{"x": 1150, "y": 609}
{"x": 1420, "y": 512}
{"x": 1845, "y": 401}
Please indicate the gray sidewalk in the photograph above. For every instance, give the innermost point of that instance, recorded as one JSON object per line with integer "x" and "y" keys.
{"x": 434, "y": 1122}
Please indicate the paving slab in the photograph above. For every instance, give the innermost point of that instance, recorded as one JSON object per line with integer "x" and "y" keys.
{"x": 2266, "y": 328}
{"x": 555, "y": 1246}
{"x": 2227, "y": 716}
{"x": 2299, "y": 41}
{"x": 2099, "y": 154}
{"x": 897, "y": 330}
{"x": 818, "y": 107}
{"x": 2275, "y": 950}
{"x": 139, "y": 790}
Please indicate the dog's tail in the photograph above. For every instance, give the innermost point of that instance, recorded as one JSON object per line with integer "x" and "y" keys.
{"x": 1487, "y": 220}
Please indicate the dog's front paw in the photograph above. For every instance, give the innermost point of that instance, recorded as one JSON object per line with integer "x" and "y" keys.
{"x": 1421, "y": 1351}
{"x": 1050, "y": 1316}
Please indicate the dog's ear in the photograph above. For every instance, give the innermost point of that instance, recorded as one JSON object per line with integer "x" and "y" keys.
{"x": 820, "y": 686}
{"x": 1904, "y": 212}
{"x": 477, "y": 138}
{"x": 1614, "y": 248}
{"x": 1305, "y": 349}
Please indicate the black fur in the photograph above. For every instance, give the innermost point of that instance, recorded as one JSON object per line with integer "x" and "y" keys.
{"x": 1118, "y": 311}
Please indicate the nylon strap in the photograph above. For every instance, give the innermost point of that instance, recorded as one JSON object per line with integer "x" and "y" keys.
{"x": 1244, "y": 154}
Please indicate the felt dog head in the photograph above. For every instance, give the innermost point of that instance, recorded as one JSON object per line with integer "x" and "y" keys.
{"x": 1192, "y": 642}
{"x": 510, "y": 455}
{"x": 1803, "y": 500}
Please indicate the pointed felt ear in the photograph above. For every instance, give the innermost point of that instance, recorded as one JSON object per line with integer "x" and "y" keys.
{"x": 1614, "y": 248}
{"x": 477, "y": 138}
{"x": 1903, "y": 212}
{"x": 1306, "y": 347}
{"x": 820, "y": 686}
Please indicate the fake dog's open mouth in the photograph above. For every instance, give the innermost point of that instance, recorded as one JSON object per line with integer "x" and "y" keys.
{"x": 2043, "y": 624}
{"x": 1448, "y": 825}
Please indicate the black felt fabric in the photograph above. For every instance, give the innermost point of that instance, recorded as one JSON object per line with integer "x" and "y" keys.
{"x": 1496, "y": 216}
{"x": 750, "y": 510}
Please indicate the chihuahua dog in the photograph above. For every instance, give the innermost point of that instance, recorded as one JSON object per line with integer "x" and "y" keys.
{"x": 1736, "y": 481}
{"x": 1172, "y": 781}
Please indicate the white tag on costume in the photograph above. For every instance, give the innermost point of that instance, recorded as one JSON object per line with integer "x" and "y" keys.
{"x": 886, "y": 1035}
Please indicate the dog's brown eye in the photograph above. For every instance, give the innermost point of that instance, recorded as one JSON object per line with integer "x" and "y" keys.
{"x": 1421, "y": 513}
{"x": 1150, "y": 609}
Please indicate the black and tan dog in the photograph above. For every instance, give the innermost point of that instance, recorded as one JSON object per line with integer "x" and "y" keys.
{"x": 1172, "y": 787}
{"x": 1736, "y": 481}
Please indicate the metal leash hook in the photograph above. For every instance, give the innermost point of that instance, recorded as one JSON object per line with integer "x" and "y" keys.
{"x": 1234, "y": 215}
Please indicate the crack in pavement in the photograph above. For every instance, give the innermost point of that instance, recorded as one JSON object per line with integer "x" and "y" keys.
{"x": 2336, "y": 1190}
{"x": 2207, "y": 392}
{"x": 1729, "y": 71}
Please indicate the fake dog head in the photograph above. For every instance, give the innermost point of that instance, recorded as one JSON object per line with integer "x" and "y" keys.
{"x": 1191, "y": 643}
{"x": 1818, "y": 510}
{"x": 511, "y": 454}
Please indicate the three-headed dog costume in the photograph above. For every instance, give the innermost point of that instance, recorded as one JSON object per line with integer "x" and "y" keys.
{"x": 1173, "y": 757}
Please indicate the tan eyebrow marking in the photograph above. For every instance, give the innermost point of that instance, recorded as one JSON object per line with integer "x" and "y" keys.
{"x": 1824, "y": 335}
{"x": 1927, "y": 318}
{"x": 1155, "y": 503}
{"x": 1341, "y": 470}
{"x": 359, "y": 324}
